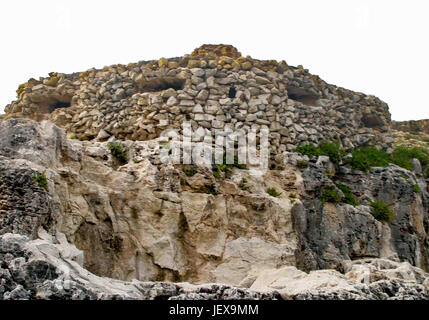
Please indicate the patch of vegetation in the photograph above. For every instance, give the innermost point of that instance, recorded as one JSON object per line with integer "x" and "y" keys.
{"x": 349, "y": 197}
{"x": 118, "y": 151}
{"x": 210, "y": 189}
{"x": 134, "y": 212}
{"x": 243, "y": 184}
{"x": 183, "y": 182}
{"x": 273, "y": 192}
{"x": 218, "y": 168}
{"x": 309, "y": 150}
{"x": 403, "y": 175}
{"x": 292, "y": 195}
{"x": 364, "y": 158}
{"x": 381, "y": 211}
{"x": 402, "y": 156}
{"x": 189, "y": 172}
{"x": 226, "y": 167}
{"x": 330, "y": 195}
{"x": 331, "y": 149}
{"x": 41, "y": 180}
{"x": 301, "y": 164}
{"x": 416, "y": 188}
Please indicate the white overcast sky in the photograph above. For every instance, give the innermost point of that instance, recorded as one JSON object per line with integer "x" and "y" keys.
{"x": 376, "y": 47}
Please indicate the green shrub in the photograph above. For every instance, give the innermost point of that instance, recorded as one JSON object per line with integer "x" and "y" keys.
{"x": 329, "y": 195}
{"x": 301, "y": 164}
{"x": 309, "y": 150}
{"x": 41, "y": 180}
{"x": 243, "y": 184}
{"x": 364, "y": 158}
{"x": 416, "y": 188}
{"x": 292, "y": 195}
{"x": 189, "y": 172}
{"x": 402, "y": 156}
{"x": 210, "y": 189}
{"x": 273, "y": 192}
{"x": 331, "y": 149}
{"x": 226, "y": 167}
{"x": 118, "y": 151}
{"x": 349, "y": 198}
{"x": 381, "y": 211}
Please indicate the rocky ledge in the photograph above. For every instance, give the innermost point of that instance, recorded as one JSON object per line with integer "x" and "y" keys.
{"x": 41, "y": 269}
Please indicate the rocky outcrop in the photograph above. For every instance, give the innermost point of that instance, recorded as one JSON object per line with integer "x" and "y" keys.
{"x": 369, "y": 279}
{"x": 41, "y": 269}
{"x": 138, "y": 221}
{"x": 331, "y": 233}
{"x": 146, "y": 221}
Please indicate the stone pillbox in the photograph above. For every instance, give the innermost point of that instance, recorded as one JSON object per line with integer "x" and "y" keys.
{"x": 212, "y": 87}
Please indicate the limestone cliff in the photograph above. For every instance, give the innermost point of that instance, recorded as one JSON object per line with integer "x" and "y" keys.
{"x": 70, "y": 205}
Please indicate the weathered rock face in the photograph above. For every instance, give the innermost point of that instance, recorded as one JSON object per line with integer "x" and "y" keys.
{"x": 24, "y": 206}
{"x": 149, "y": 221}
{"x": 367, "y": 279}
{"x": 138, "y": 221}
{"x": 331, "y": 233}
{"x": 41, "y": 269}
{"x": 213, "y": 88}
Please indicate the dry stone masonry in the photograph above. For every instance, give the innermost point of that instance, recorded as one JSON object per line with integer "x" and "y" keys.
{"x": 412, "y": 126}
{"x": 213, "y": 87}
